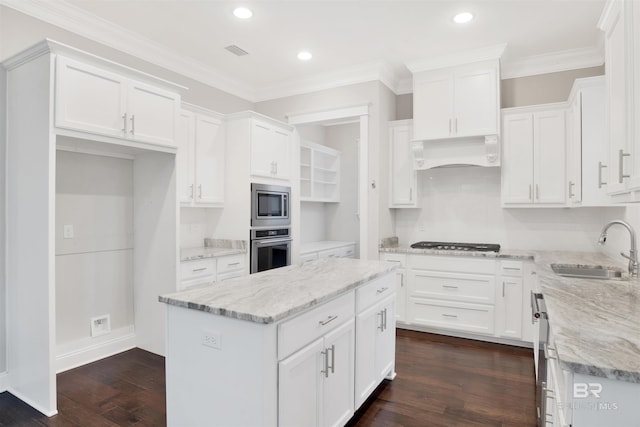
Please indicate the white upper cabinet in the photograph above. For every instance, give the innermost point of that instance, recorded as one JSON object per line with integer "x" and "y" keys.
{"x": 620, "y": 22}
{"x": 95, "y": 100}
{"x": 270, "y": 151}
{"x": 456, "y": 102}
{"x": 587, "y": 144}
{"x": 201, "y": 158}
{"x": 402, "y": 176}
{"x": 533, "y": 166}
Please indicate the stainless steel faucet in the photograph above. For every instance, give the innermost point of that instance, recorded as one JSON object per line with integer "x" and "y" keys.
{"x": 633, "y": 256}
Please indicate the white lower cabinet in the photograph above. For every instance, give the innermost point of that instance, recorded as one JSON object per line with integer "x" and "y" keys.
{"x": 327, "y": 249}
{"x": 209, "y": 270}
{"x": 316, "y": 382}
{"x": 474, "y": 296}
{"x": 375, "y": 337}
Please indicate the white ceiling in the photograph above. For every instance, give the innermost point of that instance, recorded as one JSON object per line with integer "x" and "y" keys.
{"x": 347, "y": 36}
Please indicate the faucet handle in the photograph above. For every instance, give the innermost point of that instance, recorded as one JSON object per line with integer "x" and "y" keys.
{"x": 629, "y": 257}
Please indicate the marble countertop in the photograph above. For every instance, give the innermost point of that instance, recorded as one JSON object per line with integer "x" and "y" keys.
{"x": 273, "y": 295}
{"x": 596, "y": 323}
{"x": 323, "y": 245}
{"x": 190, "y": 254}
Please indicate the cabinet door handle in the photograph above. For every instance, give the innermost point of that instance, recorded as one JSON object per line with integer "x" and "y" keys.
{"x": 325, "y": 371}
{"x": 199, "y": 191}
{"x": 600, "y": 182}
{"x": 537, "y": 192}
{"x": 411, "y": 194}
{"x": 385, "y": 319}
{"x": 191, "y": 191}
{"x": 124, "y": 123}
{"x": 381, "y": 325}
{"x": 276, "y": 168}
{"x": 333, "y": 358}
{"x": 621, "y": 174}
{"x": 530, "y": 194}
{"x": 571, "y": 185}
{"x": 133, "y": 124}
{"x": 401, "y": 280}
{"x": 327, "y": 320}
{"x": 450, "y": 126}
{"x": 503, "y": 289}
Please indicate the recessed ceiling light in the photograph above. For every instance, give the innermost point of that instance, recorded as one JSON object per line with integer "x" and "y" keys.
{"x": 243, "y": 13}
{"x": 304, "y": 56}
{"x": 463, "y": 18}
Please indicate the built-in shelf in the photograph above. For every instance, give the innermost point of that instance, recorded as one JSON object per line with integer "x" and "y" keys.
{"x": 319, "y": 173}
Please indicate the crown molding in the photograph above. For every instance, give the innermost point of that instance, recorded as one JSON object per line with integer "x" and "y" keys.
{"x": 372, "y": 71}
{"x": 553, "y": 62}
{"x": 457, "y": 58}
{"x": 78, "y": 21}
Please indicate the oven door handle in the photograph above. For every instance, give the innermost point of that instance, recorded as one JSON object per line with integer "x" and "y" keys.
{"x": 270, "y": 242}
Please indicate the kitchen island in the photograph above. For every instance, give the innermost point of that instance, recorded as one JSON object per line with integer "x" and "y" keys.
{"x": 300, "y": 345}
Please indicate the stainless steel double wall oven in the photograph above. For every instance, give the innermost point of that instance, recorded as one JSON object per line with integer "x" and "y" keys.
{"x": 270, "y": 227}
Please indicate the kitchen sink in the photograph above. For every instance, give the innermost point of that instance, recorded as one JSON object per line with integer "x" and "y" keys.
{"x": 588, "y": 271}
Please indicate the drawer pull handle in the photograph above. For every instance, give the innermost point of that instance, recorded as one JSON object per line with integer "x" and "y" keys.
{"x": 449, "y": 287}
{"x": 381, "y": 290}
{"x": 327, "y": 320}
{"x": 233, "y": 263}
{"x": 199, "y": 269}
{"x": 511, "y": 268}
{"x": 453, "y": 316}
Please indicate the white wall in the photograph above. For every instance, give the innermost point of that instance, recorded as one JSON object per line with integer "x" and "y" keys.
{"x": 94, "y": 270}
{"x": 341, "y": 220}
{"x": 463, "y": 204}
{"x": 312, "y": 222}
{"x": 3, "y": 290}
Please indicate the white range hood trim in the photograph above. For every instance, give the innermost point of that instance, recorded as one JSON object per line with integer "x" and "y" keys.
{"x": 476, "y": 151}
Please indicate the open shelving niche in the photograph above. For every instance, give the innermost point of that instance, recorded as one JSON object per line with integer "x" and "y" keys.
{"x": 319, "y": 173}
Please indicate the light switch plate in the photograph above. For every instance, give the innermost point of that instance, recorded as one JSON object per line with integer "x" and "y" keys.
{"x": 67, "y": 231}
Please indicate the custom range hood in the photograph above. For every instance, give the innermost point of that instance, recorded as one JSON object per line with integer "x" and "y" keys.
{"x": 475, "y": 151}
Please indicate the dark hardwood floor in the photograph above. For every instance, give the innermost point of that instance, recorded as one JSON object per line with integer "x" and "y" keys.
{"x": 441, "y": 381}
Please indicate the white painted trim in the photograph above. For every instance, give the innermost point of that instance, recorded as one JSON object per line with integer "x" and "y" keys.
{"x": 79, "y": 21}
{"x": 201, "y": 110}
{"x": 583, "y": 83}
{"x": 466, "y": 335}
{"x": 605, "y": 19}
{"x": 458, "y": 58}
{"x": 29, "y": 402}
{"x": 89, "y": 350}
{"x": 404, "y": 86}
{"x": 253, "y": 115}
{"x": 4, "y": 381}
{"x": 331, "y": 115}
{"x": 363, "y": 187}
{"x": 554, "y": 62}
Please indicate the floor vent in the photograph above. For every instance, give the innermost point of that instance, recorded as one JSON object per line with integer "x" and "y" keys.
{"x": 236, "y": 50}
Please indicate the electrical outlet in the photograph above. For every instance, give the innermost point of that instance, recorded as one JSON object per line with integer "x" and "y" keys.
{"x": 100, "y": 325}
{"x": 67, "y": 231}
{"x": 212, "y": 339}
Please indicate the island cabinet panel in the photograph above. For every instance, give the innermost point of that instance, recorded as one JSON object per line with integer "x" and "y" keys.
{"x": 230, "y": 367}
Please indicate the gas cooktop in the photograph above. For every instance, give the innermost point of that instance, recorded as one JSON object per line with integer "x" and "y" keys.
{"x": 450, "y": 246}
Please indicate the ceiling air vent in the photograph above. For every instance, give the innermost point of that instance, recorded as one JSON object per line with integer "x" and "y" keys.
{"x": 236, "y": 50}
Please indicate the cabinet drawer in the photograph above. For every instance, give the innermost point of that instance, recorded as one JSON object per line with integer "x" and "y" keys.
{"x": 230, "y": 263}
{"x": 391, "y": 257}
{"x": 454, "y": 264}
{"x": 511, "y": 268}
{"x": 476, "y": 318}
{"x": 198, "y": 268}
{"x": 229, "y": 275}
{"x": 329, "y": 253}
{"x": 297, "y": 332}
{"x": 475, "y": 288}
{"x": 375, "y": 291}
{"x": 308, "y": 256}
{"x": 348, "y": 251}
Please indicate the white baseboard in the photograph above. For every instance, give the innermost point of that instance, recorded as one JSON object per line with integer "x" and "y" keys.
{"x": 450, "y": 333}
{"x": 32, "y": 404}
{"x": 89, "y": 350}
{"x": 4, "y": 381}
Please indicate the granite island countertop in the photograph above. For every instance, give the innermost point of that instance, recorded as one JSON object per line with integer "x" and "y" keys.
{"x": 596, "y": 323}
{"x": 273, "y": 295}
